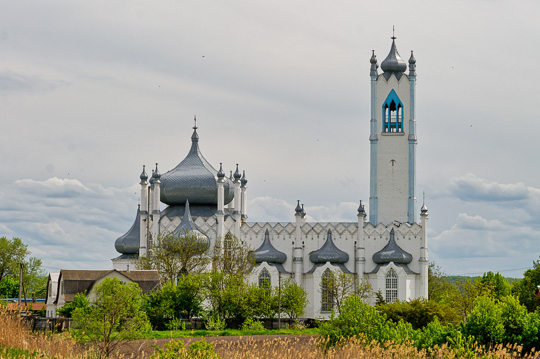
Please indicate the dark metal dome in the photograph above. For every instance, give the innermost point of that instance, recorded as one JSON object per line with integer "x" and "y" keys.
{"x": 329, "y": 253}
{"x": 392, "y": 253}
{"x": 394, "y": 62}
{"x": 267, "y": 253}
{"x": 129, "y": 242}
{"x": 188, "y": 226}
{"x": 194, "y": 179}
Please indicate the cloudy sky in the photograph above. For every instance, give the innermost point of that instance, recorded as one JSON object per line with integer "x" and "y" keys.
{"x": 91, "y": 91}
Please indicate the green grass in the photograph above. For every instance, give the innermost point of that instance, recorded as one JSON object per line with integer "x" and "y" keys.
{"x": 16, "y": 353}
{"x": 228, "y": 332}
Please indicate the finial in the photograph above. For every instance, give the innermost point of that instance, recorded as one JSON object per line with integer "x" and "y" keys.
{"x": 303, "y": 212}
{"x": 237, "y": 174}
{"x": 195, "y": 122}
{"x": 298, "y": 209}
{"x": 244, "y": 180}
{"x": 393, "y": 33}
{"x": 220, "y": 173}
{"x": 361, "y": 211}
{"x": 143, "y": 175}
{"x": 424, "y": 209}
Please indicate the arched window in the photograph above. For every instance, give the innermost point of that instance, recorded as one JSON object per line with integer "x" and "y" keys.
{"x": 265, "y": 281}
{"x": 392, "y": 113}
{"x": 327, "y": 297}
{"x": 391, "y": 286}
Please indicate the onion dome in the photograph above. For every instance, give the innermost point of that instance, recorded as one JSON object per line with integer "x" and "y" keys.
{"x": 243, "y": 180}
{"x": 303, "y": 212}
{"x": 152, "y": 179}
{"x": 329, "y": 253}
{"x": 424, "y": 210}
{"x": 267, "y": 253}
{"x": 392, "y": 253}
{"x": 129, "y": 242}
{"x": 143, "y": 176}
{"x": 412, "y": 65}
{"x": 298, "y": 209}
{"x": 156, "y": 175}
{"x": 193, "y": 179}
{"x": 188, "y": 226}
{"x": 393, "y": 62}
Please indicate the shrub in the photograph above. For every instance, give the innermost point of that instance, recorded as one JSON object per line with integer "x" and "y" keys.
{"x": 176, "y": 349}
{"x": 253, "y": 325}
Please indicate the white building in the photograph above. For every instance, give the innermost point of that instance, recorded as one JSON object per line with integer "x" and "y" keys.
{"x": 389, "y": 250}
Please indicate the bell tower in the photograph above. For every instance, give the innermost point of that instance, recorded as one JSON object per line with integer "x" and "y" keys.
{"x": 392, "y": 140}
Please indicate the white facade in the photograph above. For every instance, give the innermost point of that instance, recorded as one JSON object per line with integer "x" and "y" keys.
{"x": 399, "y": 272}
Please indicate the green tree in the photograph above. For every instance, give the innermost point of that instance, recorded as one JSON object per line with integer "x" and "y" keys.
{"x": 496, "y": 284}
{"x": 174, "y": 301}
{"x": 439, "y": 287}
{"x": 293, "y": 299}
{"x": 13, "y": 253}
{"x": 340, "y": 285}
{"x": 175, "y": 253}
{"x": 419, "y": 312}
{"x": 232, "y": 256}
{"x": 115, "y": 315}
{"x": 526, "y": 288}
{"x": 79, "y": 301}
{"x": 9, "y": 288}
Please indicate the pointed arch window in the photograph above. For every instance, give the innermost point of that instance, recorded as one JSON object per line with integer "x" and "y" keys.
{"x": 392, "y": 110}
{"x": 327, "y": 297}
{"x": 391, "y": 286}
{"x": 265, "y": 280}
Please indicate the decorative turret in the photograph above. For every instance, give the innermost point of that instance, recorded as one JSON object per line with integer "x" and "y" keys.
{"x": 361, "y": 210}
{"x": 412, "y": 65}
{"x": 392, "y": 253}
{"x": 143, "y": 176}
{"x": 374, "y": 65}
{"x": 243, "y": 180}
{"x": 329, "y": 252}
{"x": 221, "y": 174}
{"x": 237, "y": 174}
{"x": 156, "y": 175}
{"x": 298, "y": 210}
{"x": 268, "y": 253}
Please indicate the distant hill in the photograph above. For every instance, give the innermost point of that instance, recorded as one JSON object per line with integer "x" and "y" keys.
{"x": 460, "y": 278}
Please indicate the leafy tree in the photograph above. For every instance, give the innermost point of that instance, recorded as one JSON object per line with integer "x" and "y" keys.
{"x": 115, "y": 314}
{"x": 79, "y": 301}
{"x": 171, "y": 302}
{"x": 340, "y": 285}
{"x": 526, "y": 288}
{"x": 496, "y": 283}
{"x": 439, "y": 286}
{"x": 419, "y": 312}
{"x": 13, "y": 253}
{"x": 232, "y": 256}
{"x": 293, "y": 299}
{"x": 175, "y": 253}
{"x": 9, "y": 288}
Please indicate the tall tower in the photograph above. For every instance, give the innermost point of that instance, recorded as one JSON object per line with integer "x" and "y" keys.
{"x": 392, "y": 140}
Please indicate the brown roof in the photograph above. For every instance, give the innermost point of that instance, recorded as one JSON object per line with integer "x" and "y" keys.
{"x": 79, "y": 281}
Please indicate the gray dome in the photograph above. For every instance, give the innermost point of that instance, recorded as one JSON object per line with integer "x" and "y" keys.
{"x": 267, "y": 253}
{"x": 188, "y": 226}
{"x": 194, "y": 179}
{"x": 392, "y": 253}
{"x": 129, "y": 242}
{"x": 329, "y": 253}
{"x": 394, "y": 62}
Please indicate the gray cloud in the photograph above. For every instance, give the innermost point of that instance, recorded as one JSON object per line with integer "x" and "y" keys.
{"x": 472, "y": 188}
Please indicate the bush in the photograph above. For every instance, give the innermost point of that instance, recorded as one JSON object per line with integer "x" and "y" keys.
{"x": 253, "y": 325}
{"x": 419, "y": 312}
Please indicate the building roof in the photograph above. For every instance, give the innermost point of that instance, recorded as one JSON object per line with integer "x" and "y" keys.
{"x": 79, "y": 281}
{"x": 268, "y": 253}
{"x": 193, "y": 179}
{"x": 329, "y": 252}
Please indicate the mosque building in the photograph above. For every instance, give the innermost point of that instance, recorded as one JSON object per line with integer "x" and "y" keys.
{"x": 388, "y": 248}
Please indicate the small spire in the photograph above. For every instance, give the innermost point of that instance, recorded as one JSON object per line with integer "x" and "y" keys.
{"x": 231, "y": 177}
{"x": 143, "y": 175}
{"x": 298, "y": 209}
{"x": 152, "y": 179}
{"x": 393, "y": 32}
{"x": 156, "y": 173}
{"x": 412, "y": 65}
{"x": 243, "y": 180}
{"x": 424, "y": 209}
{"x": 195, "y": 122}
{"x": 220, "y": 173}
{"x": 237, "y": 174}
{"x": 361, "y": 211}
{"x": 303, "y": 212}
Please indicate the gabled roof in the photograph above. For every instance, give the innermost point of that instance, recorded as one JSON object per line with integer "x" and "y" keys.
{"x": 79, "y": 281}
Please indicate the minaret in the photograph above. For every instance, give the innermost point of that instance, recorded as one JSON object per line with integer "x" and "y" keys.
{"x": 424, "y": 260}
{"x": 155, "y": 207}
{"x": 298, "y": 255}
{"x": 221, "y": 203}
{"x": 144, "y": 212}
{"x": 393, "y": 140}
{"x": 243, "y": 200}
{"x": 237, "y": 210}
